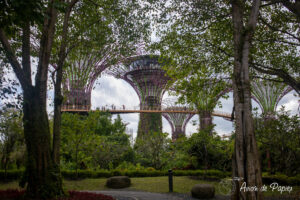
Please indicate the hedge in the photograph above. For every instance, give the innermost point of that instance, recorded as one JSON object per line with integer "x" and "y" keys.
{"x": 71, "y": 174}
{"x": 11, "y": 174}
{"x": 281, "y": 179}
{"x": 213, "y": 174}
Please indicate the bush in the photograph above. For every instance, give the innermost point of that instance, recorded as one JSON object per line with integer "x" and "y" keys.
{"x": 145, "y": 172}
{"x": 281, "y": 179}
{"x": 11, "y": 175}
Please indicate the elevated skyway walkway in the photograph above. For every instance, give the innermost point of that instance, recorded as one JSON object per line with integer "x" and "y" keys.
{"x": 136, "y": 109}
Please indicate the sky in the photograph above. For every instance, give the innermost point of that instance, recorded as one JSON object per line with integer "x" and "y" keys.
{"x": 109, "y": 90}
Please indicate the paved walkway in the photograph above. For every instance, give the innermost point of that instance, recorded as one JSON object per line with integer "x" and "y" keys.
{"x": 138, "y": 195}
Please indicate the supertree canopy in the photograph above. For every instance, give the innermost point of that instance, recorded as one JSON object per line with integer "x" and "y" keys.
{"x": 149, "y": 80}
{"x": 268, "y": 94}
{"x": 80, "y": 75}
{"x": 178, "y": 121}
{"x": 204, "y": 94}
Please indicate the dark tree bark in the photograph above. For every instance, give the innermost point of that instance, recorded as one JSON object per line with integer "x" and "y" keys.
{"x": 246, "y": 158}
{"x": 58, "y": 98}
{"x": 41, "y": 173}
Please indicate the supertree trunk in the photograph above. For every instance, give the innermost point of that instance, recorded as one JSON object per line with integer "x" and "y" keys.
{"x": 205, "y": 118}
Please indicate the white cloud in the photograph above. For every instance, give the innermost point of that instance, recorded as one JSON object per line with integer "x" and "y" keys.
{"x": 290, "y": 102}
{"x": 114, "y": 91}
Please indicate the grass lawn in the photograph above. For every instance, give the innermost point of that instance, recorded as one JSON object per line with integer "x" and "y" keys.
{"x": 182, "y": 184}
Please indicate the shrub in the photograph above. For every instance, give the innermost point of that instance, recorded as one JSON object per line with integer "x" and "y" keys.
{"x": 281, "y": 179}
{"x": 11, "y": 174}
{"x": 148, "y": 172}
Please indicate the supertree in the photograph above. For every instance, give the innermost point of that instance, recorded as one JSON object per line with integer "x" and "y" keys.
{"x": 145, "y": 74}
{"x": 203, "y": 94}
{"x": 80, "y": 75}
{"x": 178, "y": 121}
{"x": 268, "y": 94}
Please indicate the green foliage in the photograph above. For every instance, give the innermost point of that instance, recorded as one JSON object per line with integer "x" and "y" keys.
{"x": 281, "y": 179}
{"x": 94, "y": 141}
{"x": 18, "y": 12}
{"x": 177, "y": 156}
{"x": 280, "y": 136}
{"x": 209, "y": 151}
{"x": 198, "y": 39}
{"x": 151, "y": 148}
{"x": 148, "y": 123}
{"x": 142, "y": 172}
{"x": 12, "y": 146}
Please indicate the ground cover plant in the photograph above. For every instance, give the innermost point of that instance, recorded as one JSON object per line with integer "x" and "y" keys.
{"x": 11, "y": 194}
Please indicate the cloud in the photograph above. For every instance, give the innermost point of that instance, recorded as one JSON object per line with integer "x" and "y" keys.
{"x": 110, "y": 90}
{"x": 290, "y": 102}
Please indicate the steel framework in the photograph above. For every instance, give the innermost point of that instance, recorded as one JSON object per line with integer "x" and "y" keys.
{"x": 268, "y": 94}
{"x": 177, "y": 121}
{"x": 81, "y": 73}
{"x": 149, "y": 80}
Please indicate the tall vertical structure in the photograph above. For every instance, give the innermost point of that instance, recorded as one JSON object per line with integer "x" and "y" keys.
{"x": 79, "y": 78}
{"x": 177, "y": 121}
{"x": 207, "y": 99}
{"x": 146, "y": 76}
{"x": 268, "y": 94}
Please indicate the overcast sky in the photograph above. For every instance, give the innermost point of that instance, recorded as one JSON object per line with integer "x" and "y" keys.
{"x": 110, "y": 90}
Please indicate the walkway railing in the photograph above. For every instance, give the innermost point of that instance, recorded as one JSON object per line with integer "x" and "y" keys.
{"x": 136, "y": 109}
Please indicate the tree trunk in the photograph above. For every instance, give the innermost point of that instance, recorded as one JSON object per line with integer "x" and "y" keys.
{"x": 58, "y": 98}
{"x": 268, "y": 119}
{"x": 245, "y": 159}
{"x": 205, "y": 119}
{"x": 40, "y": 174}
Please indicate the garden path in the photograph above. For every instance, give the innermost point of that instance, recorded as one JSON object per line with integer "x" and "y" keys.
{"x": 139, "y": 195}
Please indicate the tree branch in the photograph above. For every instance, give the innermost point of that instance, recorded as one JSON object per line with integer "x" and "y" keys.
{"x": 295, "y": 84}
{"x": 13, "y": 60}
{"x": 277, "y": 29}
{"x": 45, "y": 51}
{"x": 26, "y": 52}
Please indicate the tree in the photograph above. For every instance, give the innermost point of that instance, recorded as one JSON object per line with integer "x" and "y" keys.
{"x": 280, "y": 137}
{"x": 204, "y": 100}
{"x": 210, "y": 151}
{"x": 18, "y": 18}
{"x": 268, "y": 94}
{"x": 94, "y": 141}
{"x": 151, "y": 149}
{"x": 276, "y": 43}
{"x": 246, "y": 159}
{"x": 221, "y": 33}
{"x": 11, "y": 133}
{"x": 27, "y": 32}
{"x": 78, "y": 140}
